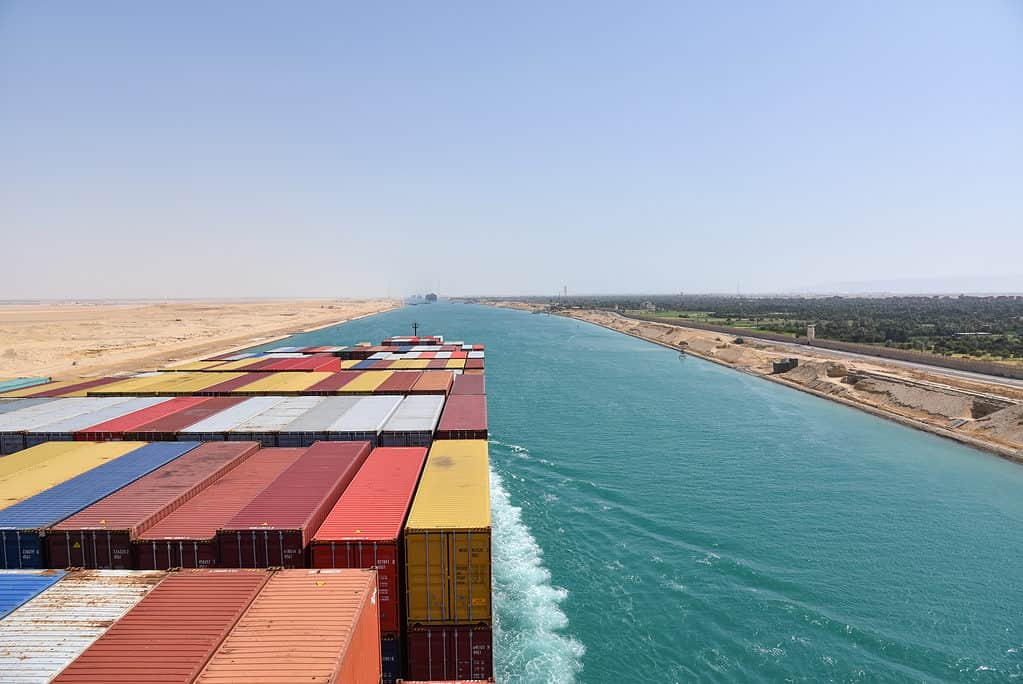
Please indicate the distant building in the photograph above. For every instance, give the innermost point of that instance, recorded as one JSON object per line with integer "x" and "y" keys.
{"x": 649, "y": 306}
{"x": 431, "y": 297}
{"x": 784, "y": 366}
{"x": 811, "y": 332}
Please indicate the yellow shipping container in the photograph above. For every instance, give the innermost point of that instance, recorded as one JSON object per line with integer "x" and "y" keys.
{"x": 455, "y": 363}
{"x": 411, "y": 364}
{"x": 447, "y": 537}
{"x": 366, "y": 383}
{"x": 283, "y": 382}
{"x": 197, "y": 382}
{"x": 185, "y": 384}
{"x": 47, "y": 465}
{"x": 128, "y": 386}
{"x": 349, "y": 363}
{"x": 239, "y": 364}
{"x": 193, "y": 366}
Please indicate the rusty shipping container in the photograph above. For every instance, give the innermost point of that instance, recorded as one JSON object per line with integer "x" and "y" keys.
{"x": 274, "y": 529}
{"x": 47, "y": 633}
{"x": 363, "y": 530}
{"x": 187, "y": 538}
{"x": 171, "y": 634}
{"x": 304, "y": 626}
{"x": 450, "y": 652}
{"x": 100, "y": 536}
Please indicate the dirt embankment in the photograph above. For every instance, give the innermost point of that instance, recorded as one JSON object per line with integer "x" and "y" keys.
{"x": 70, "y": 340}
{"x": 986, "y": 415}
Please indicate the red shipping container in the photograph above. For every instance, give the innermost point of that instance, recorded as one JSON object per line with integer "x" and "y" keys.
{"x": 474, "y": 364}
{"x": 304, "y": 626}
{"x": 450, "y": 652}
{"x": 115, "y": 428}
{"x": 469, "y": 384}
{"x": 100, "y": 536}
{"x": 261, "y": 366}
{"x": 171, "y": 633}
{"x": 459, "y": 354}
{"x": 334, "y": 383}
{"x": 166, "y": 428}
{"x": 382, "y": 364}
{"x": 228, "y": 386}
{"x": 275, "y": 527}
{"x": 363, "y": 530}
{"x": 282, "y": 365}
{"x": 400, "y": 382}
{"x": 433, "y": 382}
{"x": 95, "y": 383}
{"x": 437, "y": 364}
{"x": 464, "y": 417}
{"x": 327, "y": 364}
{"x": 187, "y": 538}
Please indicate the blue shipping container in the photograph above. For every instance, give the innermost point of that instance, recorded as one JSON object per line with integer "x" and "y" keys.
{"x": 390, "y": 653}
{"x": 18, "y": 587}
{"x": 363, "y": 365}
{"x": 21, "y": 383}
{"x": 18, "y": 404}
{"x": 23, "y": 524}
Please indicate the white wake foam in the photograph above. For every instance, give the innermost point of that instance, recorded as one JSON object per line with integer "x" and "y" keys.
{"x": 530, "y": 643}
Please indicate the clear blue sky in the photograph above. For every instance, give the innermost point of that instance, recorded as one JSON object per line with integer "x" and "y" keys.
{"x": 187, "y": 149}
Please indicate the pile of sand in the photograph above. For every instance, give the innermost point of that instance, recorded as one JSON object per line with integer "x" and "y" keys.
{"x": 936, "y": 403}
{"x": 818, "y": 376}
{"x": 1005, "y": 426}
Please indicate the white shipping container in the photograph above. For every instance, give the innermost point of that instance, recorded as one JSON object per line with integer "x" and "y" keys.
{"x": 228, "y": 418}
{"x": 278, "y": 415}
{"x": 370, "y": 414}
{"x": 59, "y": 409}
{"x": 43, "y": 636}
{"x": 320, "y": 417}
{"x": 416, "y": 413}
{"x": 101, "y": 414}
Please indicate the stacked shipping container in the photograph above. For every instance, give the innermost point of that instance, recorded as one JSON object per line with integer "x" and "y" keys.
{"x": 363, "y": 530}
{"x": 274, "y": 529}
{"x": 413, "y": 513}
{"x": 447, "y": 565}
{"x": 100, "y": 536}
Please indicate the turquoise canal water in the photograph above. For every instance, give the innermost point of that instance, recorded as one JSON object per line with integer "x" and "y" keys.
{"x": 667, "y": 520}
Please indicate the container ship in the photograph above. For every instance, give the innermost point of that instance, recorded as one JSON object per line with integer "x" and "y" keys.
{"x": 299, "y": 514}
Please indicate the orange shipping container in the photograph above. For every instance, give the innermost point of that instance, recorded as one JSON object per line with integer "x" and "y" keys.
{"x": 304, "y": 626}
{"x": 433, "y": 382}
{"x": 172, "y": 632}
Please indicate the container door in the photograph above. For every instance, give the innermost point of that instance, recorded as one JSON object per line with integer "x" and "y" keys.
{"x": 470, "y": 577}
{"x": 426, "y": 563}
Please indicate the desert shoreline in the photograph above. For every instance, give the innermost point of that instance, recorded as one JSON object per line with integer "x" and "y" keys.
{"x": 67, "y": 341}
